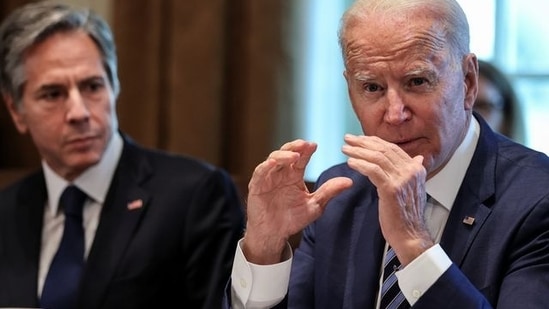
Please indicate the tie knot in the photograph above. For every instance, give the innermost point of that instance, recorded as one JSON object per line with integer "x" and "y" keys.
{"x": 72, "y": 201}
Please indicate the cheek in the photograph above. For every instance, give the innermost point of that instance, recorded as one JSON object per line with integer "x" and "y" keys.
{"x": 370, "y": 116}
{"x": 103, "y": 116}
{"x": 45, "y": 135}
{"x": 44, "y": 128}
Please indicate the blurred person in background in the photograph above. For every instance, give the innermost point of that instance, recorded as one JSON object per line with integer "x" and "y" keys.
{"x": 105, "y": 223}
{"x": 497, "y": 102}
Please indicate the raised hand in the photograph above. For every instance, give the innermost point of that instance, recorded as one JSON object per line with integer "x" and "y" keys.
{"x": 279, "y": 204}
{"x": 400, "y": 182}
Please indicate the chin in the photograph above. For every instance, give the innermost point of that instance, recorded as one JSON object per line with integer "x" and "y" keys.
{"x": 82, "y": 162}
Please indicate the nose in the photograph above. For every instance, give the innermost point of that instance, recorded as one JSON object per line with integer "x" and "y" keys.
{"x": 77, "y": 108}
{"x": 397, "y": 112}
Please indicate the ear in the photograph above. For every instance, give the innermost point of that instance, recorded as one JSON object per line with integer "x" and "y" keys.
{"x": 16, "y": 114}
{"x": 470, "y": 70}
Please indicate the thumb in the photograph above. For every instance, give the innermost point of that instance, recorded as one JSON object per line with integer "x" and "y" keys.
{"x": 330, "y": 189}
{"x": 418, "y": 159}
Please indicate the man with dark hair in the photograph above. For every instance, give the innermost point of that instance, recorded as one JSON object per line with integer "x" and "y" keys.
{"x": 105, "y": 223}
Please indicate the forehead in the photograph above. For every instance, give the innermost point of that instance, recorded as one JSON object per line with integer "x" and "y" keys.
{"x": 61, "y": 53}
{"x": 62, "y": 45}
{"x": 385, "y": 38}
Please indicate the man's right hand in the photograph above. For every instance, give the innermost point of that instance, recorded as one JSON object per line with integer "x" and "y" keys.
{"x": 279, "y": 204}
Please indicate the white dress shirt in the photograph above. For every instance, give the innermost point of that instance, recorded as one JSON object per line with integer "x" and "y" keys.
{"x": 263, "y": 286}
{"x": 95, "y": 182}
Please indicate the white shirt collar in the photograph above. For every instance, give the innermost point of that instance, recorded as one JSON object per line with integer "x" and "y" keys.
{"x": 444, "y": 186}
{"x": 95, "y": 181}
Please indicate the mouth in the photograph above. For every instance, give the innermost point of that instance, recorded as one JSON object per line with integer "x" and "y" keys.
{"x": 408, "y": 145}
{"x": 81, "y": 143}
{"x": 404, "y": 142}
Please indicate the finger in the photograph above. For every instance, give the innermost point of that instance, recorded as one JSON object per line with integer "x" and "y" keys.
{"x": 330, "y": 189}
{"x": 295, "y": 145}
{"x": 377, "y": 175}
{"x": 388, "y": 156}
{"x": 304, "y": 148}
{"x": 370, "y": 150}
{"x": 419, "y": 159}
{"x": 376, "y": 146}
{"x": 277, "y": 162}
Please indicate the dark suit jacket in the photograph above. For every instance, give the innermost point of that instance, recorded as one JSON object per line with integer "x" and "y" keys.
{"x": 176, "y": 250}
{"x": 502, "y": 260}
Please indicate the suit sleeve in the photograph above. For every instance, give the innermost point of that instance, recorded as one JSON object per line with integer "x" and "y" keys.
{"x": 215, "y": 223}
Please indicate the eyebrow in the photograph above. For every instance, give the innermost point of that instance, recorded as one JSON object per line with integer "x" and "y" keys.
{"x": 47, "y": 87}
{"x": 363, "y": 77}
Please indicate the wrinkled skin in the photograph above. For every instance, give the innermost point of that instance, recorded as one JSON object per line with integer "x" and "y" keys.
{"x": 279, "y": 204}
{"x": 414, "y": 102}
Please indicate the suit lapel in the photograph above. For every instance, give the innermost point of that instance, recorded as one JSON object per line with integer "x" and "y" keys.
{"x": 460, "y": 232}
{"x": 475, "y": 198}
{"x": 366, "y": 245}
{"x": 125, "y": 204}
{"x": 28, "y": 221}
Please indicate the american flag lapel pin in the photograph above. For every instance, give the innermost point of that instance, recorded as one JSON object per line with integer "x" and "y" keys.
{"x": 136, "y": 204}
{"x": 468, "y": 220}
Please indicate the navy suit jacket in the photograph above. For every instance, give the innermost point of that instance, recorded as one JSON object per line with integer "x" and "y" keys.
{"x": 175, "y": 250}
{"x": 501, "y": 260}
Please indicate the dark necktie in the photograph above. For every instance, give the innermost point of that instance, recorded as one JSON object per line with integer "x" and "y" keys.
{"x": 391, "y": 296}
{"x": 62, "y": 282}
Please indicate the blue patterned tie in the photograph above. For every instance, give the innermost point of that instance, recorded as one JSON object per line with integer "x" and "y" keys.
{"x": 62, "y": 282}
{"x": 391, "y": 296}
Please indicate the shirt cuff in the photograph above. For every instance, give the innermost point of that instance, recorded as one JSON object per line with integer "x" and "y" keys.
{"x": 260, "y": 286}
{"x": 418, "y": 276}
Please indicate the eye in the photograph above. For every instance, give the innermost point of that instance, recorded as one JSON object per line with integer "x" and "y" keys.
{"x": 417, "y": 81}
{"x": 371, "y": 87}
{"x": 51, "y": 94}
{"x": 93, "y": 85}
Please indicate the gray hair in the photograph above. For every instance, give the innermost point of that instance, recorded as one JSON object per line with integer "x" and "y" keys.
{"x": 33, "y": 23}
{"x": 449, "y": 13}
